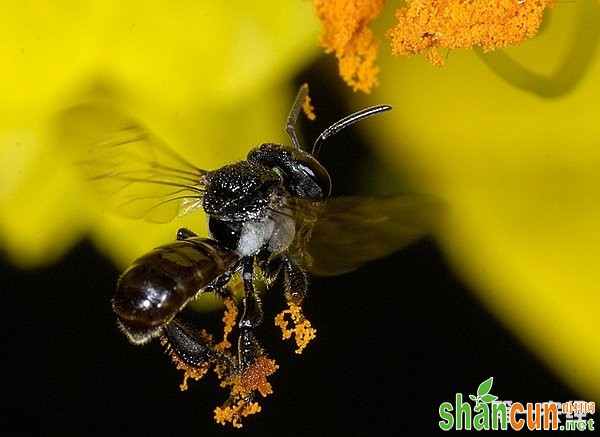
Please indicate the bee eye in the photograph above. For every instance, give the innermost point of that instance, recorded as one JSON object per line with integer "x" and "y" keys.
{"x": 311, "y": 169}
{"x": 301, "y": 173}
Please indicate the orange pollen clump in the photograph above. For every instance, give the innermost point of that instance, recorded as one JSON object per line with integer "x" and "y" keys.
{"x": 243, "y": 384}
{"x": 255, "y": 376}
{"x": 189, "y": 371}
{"x": 346, "y": 32}
{"x": 308, "y": 109}
{"x": 424, "y": 26}
{"x": 303, "y": 331}
{"x": 229, "y": 319}
{"x": 235, "y": 413}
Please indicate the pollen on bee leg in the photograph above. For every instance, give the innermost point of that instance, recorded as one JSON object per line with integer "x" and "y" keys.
{"x": 234, "y": 414}
{"x": 189, "y": 371}
{"x": 243, "y": 384}
{"x": 229, "y": 319}
{"x": 303, "y": 331}
{"x": 255, "y": 376}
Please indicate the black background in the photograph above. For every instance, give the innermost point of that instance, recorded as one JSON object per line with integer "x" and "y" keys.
{"x": 395, "y": 339}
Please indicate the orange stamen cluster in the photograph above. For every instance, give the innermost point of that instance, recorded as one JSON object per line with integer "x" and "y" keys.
{"x": 347, "y": 33}
{"x": 425, "y": 26}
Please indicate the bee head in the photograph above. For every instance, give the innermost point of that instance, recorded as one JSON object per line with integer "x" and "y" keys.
{"x": 303, "y": 176}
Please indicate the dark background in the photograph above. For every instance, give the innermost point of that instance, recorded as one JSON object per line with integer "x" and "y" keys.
{"x": 395, "y": 339}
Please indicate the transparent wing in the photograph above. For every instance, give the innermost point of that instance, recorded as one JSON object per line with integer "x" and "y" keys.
{"x": 134, "y": 172}
{"x": 353, "y": 230}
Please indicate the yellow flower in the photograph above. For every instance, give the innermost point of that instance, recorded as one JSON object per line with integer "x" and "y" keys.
{"x": 511, "y": 141}
{"x": 196, "y": 74}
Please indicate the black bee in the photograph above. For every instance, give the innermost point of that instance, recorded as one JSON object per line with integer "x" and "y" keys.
{"x": 268, "y": 215}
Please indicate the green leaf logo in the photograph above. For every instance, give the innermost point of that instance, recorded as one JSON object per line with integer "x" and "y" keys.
{"x": 483, "y": 392}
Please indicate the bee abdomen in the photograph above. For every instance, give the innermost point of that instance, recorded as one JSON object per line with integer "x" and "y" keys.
{"x": 161, "y": 282}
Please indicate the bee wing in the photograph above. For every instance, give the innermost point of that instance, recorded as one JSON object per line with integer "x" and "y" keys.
{"x": 353, "y": 230}
{"x": 134, "y": 172}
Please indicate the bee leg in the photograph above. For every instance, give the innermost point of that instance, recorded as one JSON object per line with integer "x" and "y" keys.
{"x": 295, "y": 279}
{"x": 192, "y": 348}
{"x": 290, "y": 126}
{"x": 193, "y": 352}
{"x": 253, "y": 315}
{"x": 253, "y": 365}
{"x": 270, "y": 267}
{"x": 295, "y": 282}
{"x": 184, "y": 234}
{"x": 218, "y": 286}
{"x": 248, "y": 346}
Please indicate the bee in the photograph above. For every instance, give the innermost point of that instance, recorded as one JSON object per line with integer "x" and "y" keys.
{"x": 269, "y": 216}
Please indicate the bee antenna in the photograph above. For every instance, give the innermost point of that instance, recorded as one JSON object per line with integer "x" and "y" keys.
{"x": 290, "y": 126}
{"x": 344, "y": 123}
{"x": 292, "y": 119}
